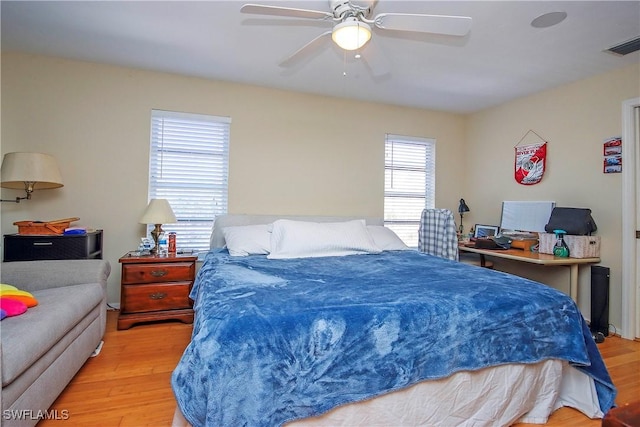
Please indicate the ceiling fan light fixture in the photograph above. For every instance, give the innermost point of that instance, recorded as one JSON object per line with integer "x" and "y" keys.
{"x": 351, "y": 34}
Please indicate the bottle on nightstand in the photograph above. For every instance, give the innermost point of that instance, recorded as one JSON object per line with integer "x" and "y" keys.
{"x": 163, "y": 247}
{"x": 172, "y": 242}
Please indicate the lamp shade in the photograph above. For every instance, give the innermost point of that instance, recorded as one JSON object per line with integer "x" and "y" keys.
{"x": 20, "y": 169}
{"x": 351, "y": 34}
{"x": 462, "y": 207}
{"x": 158, "y": 212}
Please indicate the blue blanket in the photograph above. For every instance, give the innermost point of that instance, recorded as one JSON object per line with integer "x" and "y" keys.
{"x": 277, "y": 340}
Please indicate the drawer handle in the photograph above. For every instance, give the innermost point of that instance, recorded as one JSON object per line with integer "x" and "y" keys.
{"x": 157, "y": 295}
{"x": 42, "y": 243}
{"x": 158, "y": 273}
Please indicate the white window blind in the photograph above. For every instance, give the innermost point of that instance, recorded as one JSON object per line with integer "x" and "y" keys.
{"x": 189, "y": 166}
{"x": 409, "y": 183}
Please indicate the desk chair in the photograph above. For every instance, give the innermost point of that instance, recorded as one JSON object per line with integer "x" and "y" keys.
{"x": 437, "y": 234}
{"x": 474, "y": 259}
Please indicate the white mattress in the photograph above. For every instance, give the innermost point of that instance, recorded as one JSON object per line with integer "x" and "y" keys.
{"x": 497, "y": 396}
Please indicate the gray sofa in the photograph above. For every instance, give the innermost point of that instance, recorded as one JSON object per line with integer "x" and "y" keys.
{"x": 42, "y": 349}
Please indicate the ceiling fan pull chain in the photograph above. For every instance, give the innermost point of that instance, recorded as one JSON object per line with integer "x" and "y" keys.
{"x": 344, "y": 63}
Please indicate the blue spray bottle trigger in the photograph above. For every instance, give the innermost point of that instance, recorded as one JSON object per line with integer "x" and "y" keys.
{"x": 560, "y": 249}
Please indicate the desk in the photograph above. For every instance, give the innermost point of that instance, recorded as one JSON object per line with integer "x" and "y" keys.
{"x": 541, "y": 259}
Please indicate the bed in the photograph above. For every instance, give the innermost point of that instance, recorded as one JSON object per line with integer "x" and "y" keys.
{"x": 331, "y": 321}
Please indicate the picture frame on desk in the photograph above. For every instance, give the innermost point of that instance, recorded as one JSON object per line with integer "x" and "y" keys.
{"x": 485, "y": 230}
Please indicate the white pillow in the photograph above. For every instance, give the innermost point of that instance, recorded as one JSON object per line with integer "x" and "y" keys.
{"x": 386, "y": 239}
{"x": 243, "y": 240}
{"x": 301, "y": 239}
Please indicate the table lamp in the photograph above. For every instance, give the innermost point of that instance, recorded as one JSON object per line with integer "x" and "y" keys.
{"x": 462, "y": 209}
{"x": 158, "y": 212}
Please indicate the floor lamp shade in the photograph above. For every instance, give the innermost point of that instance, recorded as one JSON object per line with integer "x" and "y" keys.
{"x": 21, "y": 170}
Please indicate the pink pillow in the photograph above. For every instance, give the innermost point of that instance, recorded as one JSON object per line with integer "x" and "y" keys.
{"x": 12, "y": 306}
{"x": 19, "y": 295}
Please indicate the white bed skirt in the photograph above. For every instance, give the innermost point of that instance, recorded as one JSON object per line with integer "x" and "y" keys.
{"x": 497, "y": 396}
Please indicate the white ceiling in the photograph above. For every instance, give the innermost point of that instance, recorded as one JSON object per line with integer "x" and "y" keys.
{"x": 502, "y": 58}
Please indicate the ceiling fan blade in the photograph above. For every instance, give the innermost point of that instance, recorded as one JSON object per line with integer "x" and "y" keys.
{"x": 306, "y": 50}
{"x": 261, "y": 9}
{"x": 436, "y": 24}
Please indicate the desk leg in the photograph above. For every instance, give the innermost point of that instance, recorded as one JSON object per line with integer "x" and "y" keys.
{"x": 573, "y": 282}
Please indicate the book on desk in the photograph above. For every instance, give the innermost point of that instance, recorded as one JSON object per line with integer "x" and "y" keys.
{"x": 504, "y": 241}
{"x": 520, "y": 240}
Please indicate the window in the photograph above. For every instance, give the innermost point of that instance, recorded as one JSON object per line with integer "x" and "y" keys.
{"x": 409, "y": 183}
{"x": 189, "y": 166}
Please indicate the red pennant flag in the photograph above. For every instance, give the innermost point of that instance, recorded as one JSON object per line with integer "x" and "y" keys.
{"x": 530, "y": 163}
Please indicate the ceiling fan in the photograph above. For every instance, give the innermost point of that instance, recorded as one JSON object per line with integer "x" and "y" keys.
{"x": 354, "y": 22}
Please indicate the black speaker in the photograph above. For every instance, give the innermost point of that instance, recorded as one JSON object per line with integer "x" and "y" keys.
{"x": 600, "y": 300}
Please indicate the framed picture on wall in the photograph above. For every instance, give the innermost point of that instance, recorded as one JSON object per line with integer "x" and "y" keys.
{"x": 613, "y": 164}
{"x": 612, "y": 150}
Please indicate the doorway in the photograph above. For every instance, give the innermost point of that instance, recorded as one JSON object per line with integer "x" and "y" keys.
{"x": 630, "y": 219}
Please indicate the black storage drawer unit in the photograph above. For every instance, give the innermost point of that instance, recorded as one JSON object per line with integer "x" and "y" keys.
{"x": 31, "y": 247}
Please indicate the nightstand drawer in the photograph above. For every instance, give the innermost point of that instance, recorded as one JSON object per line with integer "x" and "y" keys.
{"x": 157, "y": 272}
{"x": 156, "y": 297}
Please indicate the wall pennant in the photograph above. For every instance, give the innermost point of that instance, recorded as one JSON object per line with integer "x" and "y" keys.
{"x": 530, "y": 161}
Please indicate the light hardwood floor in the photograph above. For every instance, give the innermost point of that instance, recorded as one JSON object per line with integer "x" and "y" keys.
{"x": 128, "y": 384}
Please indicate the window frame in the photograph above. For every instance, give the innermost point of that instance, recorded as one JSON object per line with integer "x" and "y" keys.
{"x": 191, "y": 174}
{"x": 403, "y": 226}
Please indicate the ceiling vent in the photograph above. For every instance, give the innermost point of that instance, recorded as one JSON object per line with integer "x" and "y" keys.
{"x": 626, "y": 48}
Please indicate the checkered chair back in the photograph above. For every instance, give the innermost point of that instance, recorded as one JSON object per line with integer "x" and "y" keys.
{"x": 437, "y": 235}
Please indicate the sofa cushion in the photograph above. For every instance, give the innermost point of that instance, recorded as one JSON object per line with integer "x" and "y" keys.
{"x": 27, "y": 337}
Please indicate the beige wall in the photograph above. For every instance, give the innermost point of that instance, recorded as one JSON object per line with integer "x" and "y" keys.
{"x": 290, "y": 153}
{"x": 574, "y": 119}
{"x": 301, "y": 154}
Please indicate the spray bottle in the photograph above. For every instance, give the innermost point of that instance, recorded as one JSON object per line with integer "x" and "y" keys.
{"x": 560, "y": 249}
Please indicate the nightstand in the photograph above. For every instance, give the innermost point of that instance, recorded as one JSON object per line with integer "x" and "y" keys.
{"x": 156, "y": 288}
